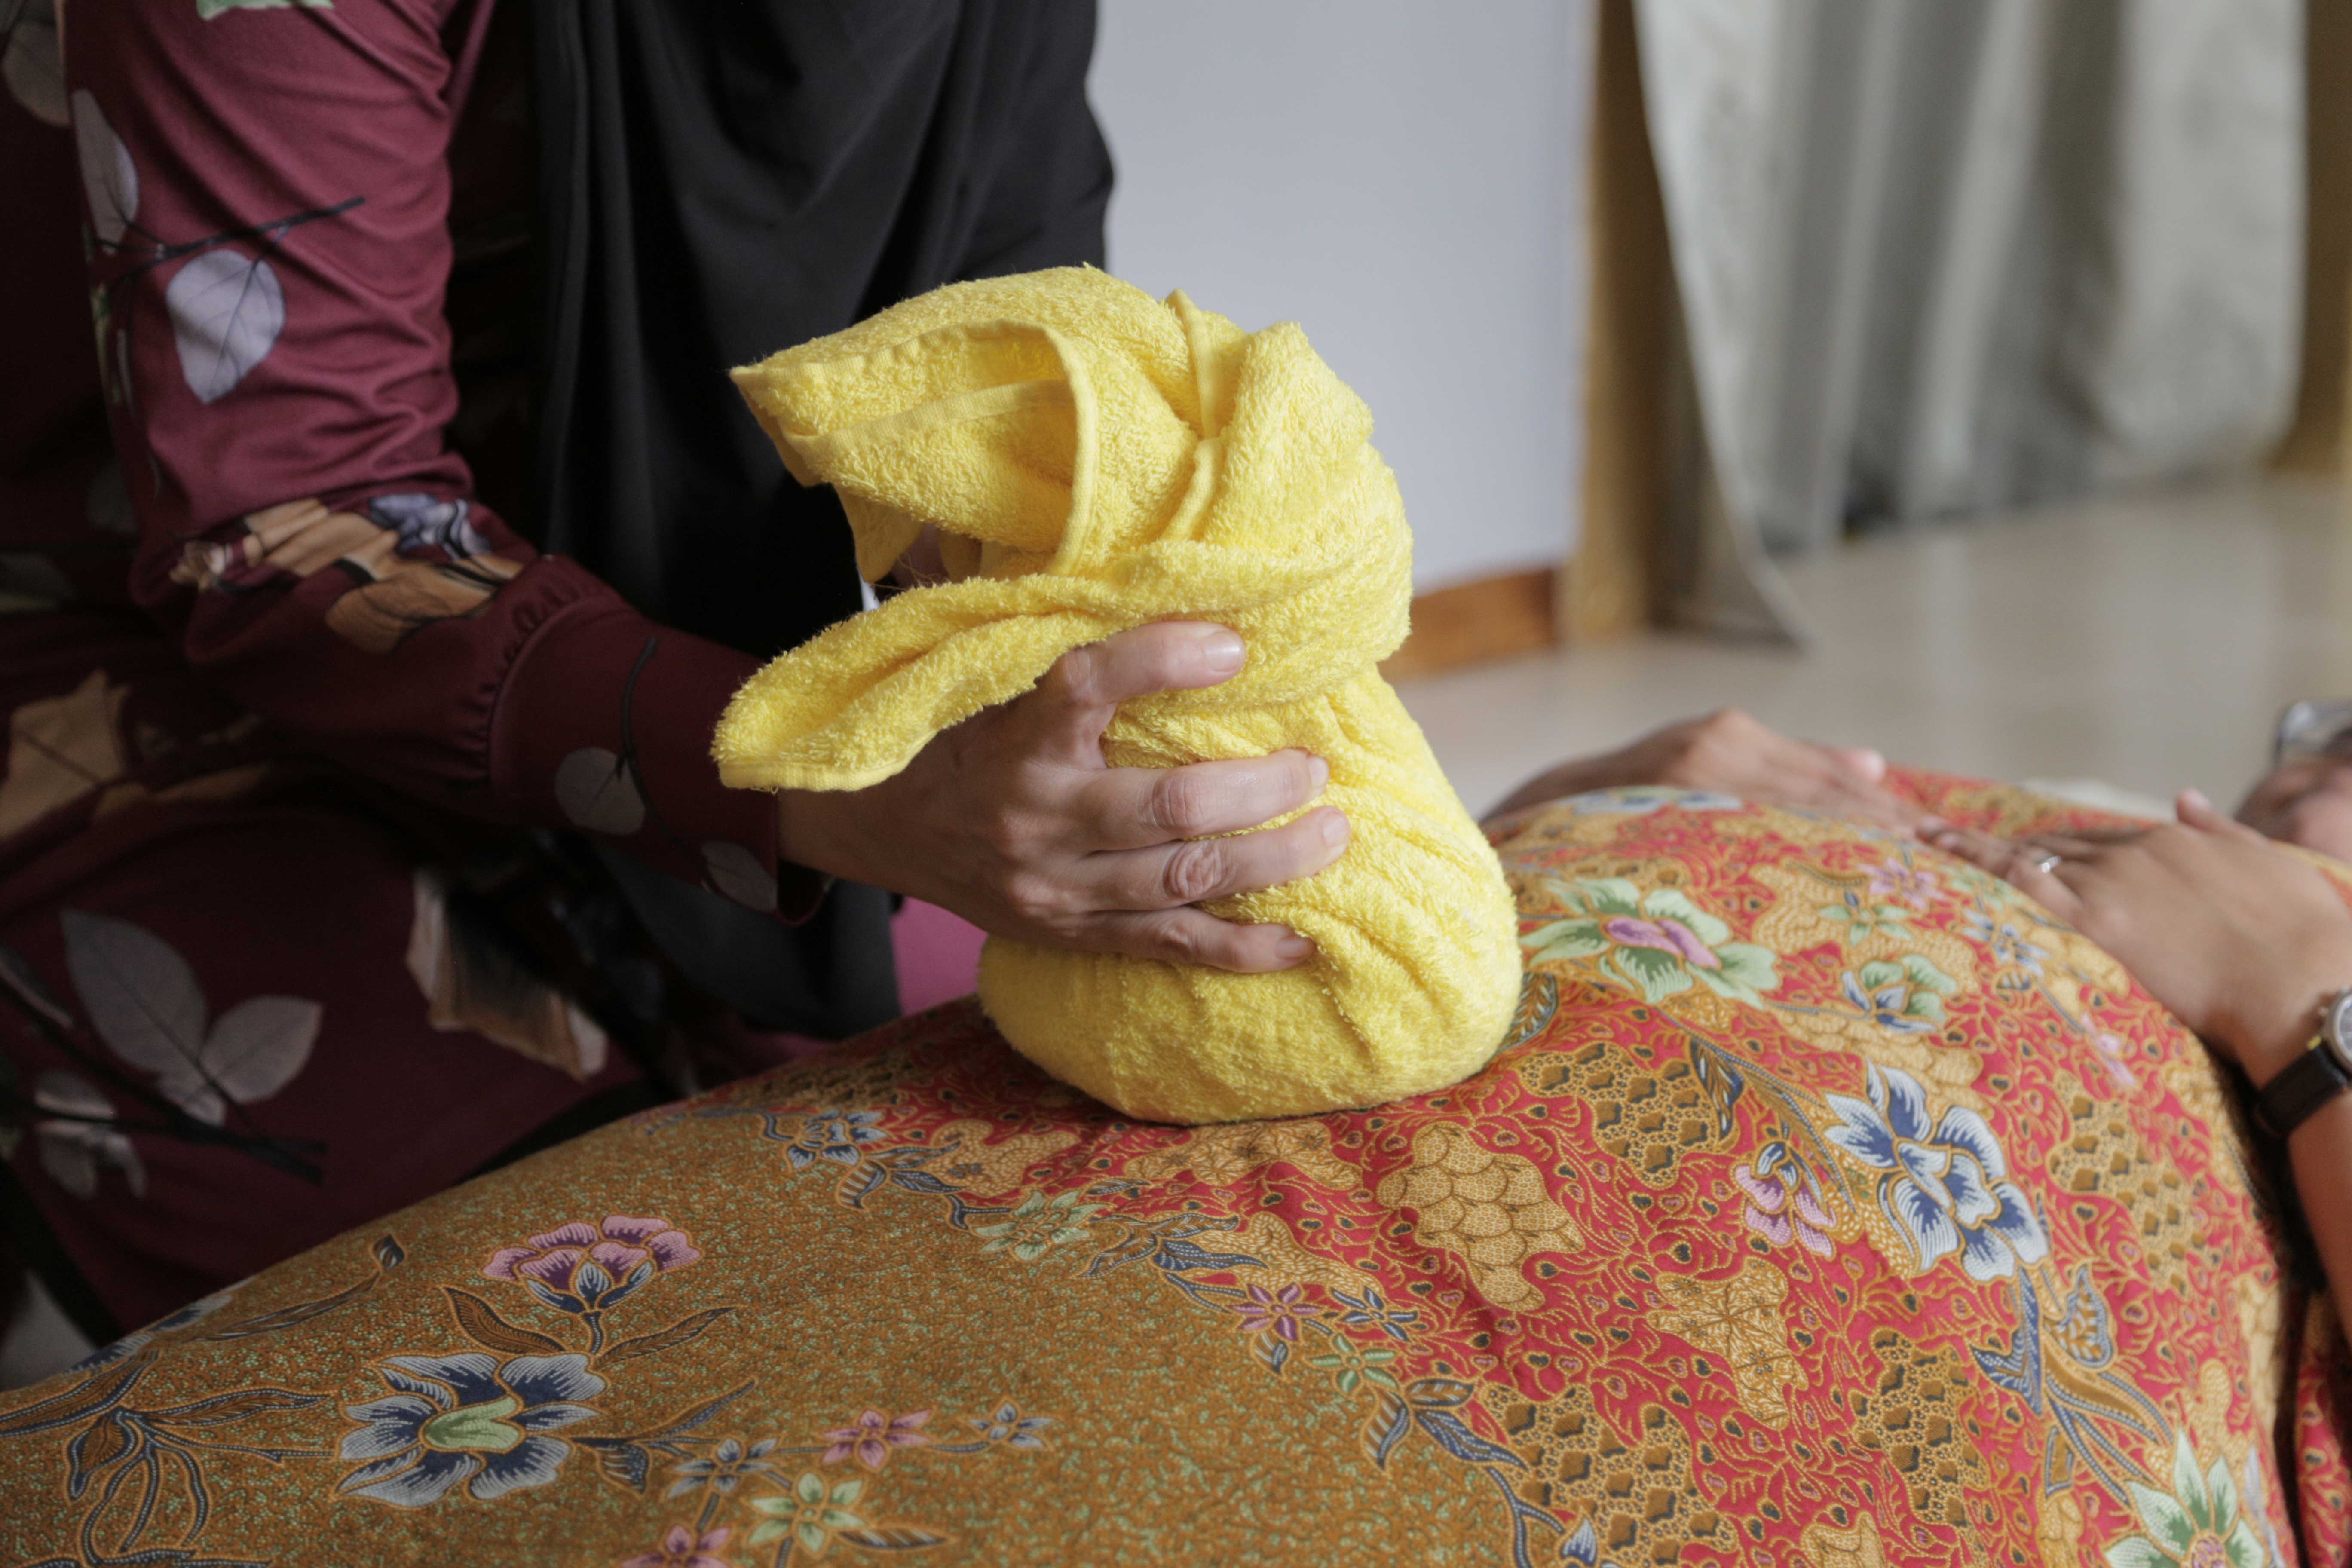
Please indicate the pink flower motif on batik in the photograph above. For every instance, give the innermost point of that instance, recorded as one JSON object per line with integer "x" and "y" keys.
{"x": 1896, "y": 883}
{"x": 1663, "y": 936}
{"x": 1783, "y": 1201}
{"x": 874, "y": 1434}
{"x": 681, "y": 1548}
{"x": 578, "y": 1267}
{"x": 2111, "y": 1057}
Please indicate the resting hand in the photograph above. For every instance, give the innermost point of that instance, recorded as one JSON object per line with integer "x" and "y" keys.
{"x": 1730, "y": 753}
{"x": 2306, "y": 802}
{"x": 2239, "y": 939}
{"x": 1013, "y": 820}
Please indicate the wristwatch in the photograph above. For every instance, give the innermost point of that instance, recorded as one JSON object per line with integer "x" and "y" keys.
{"x": 2318, "y": 1076}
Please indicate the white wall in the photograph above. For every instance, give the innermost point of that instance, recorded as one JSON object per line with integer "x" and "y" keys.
{"x": 1404, "y": 180}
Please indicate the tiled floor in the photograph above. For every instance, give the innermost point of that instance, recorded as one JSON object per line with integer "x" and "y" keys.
{"x": 2148, "y": 641}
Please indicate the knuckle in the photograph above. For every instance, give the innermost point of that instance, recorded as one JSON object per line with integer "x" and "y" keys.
{"x": 1004, "y": 833}
{"x": 1177, "y": 940}
{"x": 1034, "y": 898}
{"x": 1193, "y": 872}
{"x": 1180, "y": 801}
{"x": 1077, "y": 676}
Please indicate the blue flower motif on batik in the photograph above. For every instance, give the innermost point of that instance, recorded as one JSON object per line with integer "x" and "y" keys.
{"x": 1944, "y": 1187}
{"x": 1904, "y": 994}
{"x": 836, "y": 1135}
{"x": 1006, "y": 1425}
{"x": 2003, "y": 941}
{"x": 466, "y": 1417}
{"x": 1372, "y": 1311}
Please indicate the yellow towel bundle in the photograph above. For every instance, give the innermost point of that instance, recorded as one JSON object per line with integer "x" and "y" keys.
{"x": 1096, "y": 460}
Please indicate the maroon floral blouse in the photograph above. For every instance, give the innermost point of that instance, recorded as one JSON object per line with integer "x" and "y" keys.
{"x": 269, "y": 450}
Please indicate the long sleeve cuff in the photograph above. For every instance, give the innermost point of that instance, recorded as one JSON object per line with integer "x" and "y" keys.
{"x": 605, "y": 721}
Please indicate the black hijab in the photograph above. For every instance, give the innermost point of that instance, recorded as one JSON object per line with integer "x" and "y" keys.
{"x": 719, "y": 179}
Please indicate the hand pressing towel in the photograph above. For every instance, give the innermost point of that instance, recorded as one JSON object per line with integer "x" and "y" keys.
{"x": 1095, "y": 460}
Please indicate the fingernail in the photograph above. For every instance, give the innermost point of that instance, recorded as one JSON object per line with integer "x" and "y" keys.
{"x": 1320, "y": 770}
{"x": 1294, "y": 949}
{"x": 1335, "y": 828}
{"x": 1931, "y": 827}
{"x": 2195, "y": 800}
{"x": 1222, "y": 650}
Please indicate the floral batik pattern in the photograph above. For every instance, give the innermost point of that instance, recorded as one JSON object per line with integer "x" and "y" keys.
{"x": 1827, "y": 1204}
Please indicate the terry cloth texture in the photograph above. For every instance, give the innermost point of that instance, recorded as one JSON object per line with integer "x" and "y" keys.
{"x": 1096, "y": 460}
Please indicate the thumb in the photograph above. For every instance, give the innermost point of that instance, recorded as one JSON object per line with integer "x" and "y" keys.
{"x": 2195, "y": 811}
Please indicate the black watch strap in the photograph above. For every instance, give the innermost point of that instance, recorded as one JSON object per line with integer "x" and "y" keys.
{"x": 2288, "y": 1099}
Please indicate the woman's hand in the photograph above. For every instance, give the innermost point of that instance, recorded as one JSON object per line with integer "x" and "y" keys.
{"x": 1013, "y": 820}
{"x": 2306, "y": 802}
{"x": 1729, "y": 754}
{"x": 2239, "y": 939}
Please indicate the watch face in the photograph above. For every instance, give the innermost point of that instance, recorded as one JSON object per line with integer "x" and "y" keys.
{"x": 2335, "y": 1028}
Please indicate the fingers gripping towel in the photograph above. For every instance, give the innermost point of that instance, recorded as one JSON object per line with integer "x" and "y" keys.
{"x": 1095, "y": 460}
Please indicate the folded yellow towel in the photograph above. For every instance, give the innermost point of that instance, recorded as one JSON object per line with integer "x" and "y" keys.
{"x": 1096, "y": 460}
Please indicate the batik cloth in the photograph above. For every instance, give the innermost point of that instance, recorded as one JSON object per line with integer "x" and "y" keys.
{"x": 1829, "y": 1204}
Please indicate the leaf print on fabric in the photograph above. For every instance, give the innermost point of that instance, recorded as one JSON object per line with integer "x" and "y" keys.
{"x": 2196, "y": 1525}
{"x": 403, "y": 596}
{"x": 1658, "y": 942}
{"x": 35, "y": 73}
{"x": 466, "y": 1417}
{"x": 385, "y": 1252}
{"x": 1862, "y": 921}
{"x": 61, "y": 748}
{"x": 136, "y": 1469}
{"x": 472, "y": 981}
{"x": 17, "y": 975}
{"x": 78, "y": 1141}
{"x": 734, "y": 872}
{"x": 145, "y": 1003}
{"x": 1037, "y": 1225}
{"x": 598, "y": 791}
{"x": 297, "y": 536}
{"x": 227, "y": 310}
{"x": 208, "y": 9}
{"x": 109, "y": 183}
{"x": 811, "y": 1514}
{"x": 1945, "y": 1188}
